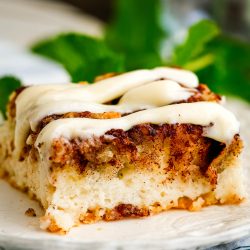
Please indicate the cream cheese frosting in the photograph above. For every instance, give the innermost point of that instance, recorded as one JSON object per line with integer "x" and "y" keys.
{"x": 152, "y": 90}
{"x": 221, "y": 125}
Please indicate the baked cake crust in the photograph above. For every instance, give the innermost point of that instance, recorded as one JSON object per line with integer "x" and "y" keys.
{"x": 137, "y": 172}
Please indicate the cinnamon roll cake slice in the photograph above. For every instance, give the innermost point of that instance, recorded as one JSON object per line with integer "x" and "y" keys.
{"x": 130, "y": 145}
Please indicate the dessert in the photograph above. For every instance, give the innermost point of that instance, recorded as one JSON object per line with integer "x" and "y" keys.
{"x": 130, "y": 145}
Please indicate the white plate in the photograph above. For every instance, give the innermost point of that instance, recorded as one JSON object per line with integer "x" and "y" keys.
{"x": 170, "y": 230}
{"x": 22, "y": 22}
{"x": 25, "y": 21}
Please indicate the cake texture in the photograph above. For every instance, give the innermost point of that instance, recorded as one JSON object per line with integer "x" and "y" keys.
{"x": 129, "y": 145}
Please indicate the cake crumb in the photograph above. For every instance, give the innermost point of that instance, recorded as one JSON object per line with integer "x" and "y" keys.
{"x": 30, "y": 212}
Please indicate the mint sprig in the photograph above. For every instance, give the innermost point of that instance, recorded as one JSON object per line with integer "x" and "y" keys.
{"x": 220, "y": 61}
{"x": 133, "y": 40}
{"x": 194, "y": 48}
{"x": 84, "y": 57}
{"x": 7, "y": 85}
{"x": 136, "y": 32}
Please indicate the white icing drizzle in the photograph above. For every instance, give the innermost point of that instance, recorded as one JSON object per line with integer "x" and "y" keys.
{"x": 150, "y": 95}
{"x": 62, "y": 107}
{"x": 152, "y": 90}
{"x": 36, "y": 102}
{"x": 157, "y": 93}
{"x": 109, "y": 89}
{"x": 222, "y": 124}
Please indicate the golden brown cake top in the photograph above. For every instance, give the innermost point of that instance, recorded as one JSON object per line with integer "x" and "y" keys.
{"x": 160, "y": 95}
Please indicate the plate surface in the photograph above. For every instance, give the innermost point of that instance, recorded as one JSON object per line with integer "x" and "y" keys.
{"x": 22, "y": 22}
{"x": 169, "y": 230}
{"x": 25, "y": 21}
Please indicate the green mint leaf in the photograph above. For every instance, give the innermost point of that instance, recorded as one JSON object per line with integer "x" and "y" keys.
{"x": 7, "y": 85}
{"x": 220, "y": 61}
{"x": 194, "y": 46}
{"x": 230, "y": 72}
{"x": 82, "y": 56}
{"x": 136, "y": 31}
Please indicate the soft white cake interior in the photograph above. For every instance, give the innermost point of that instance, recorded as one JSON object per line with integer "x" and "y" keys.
{"x": 66, "y": 195}
{"x": 184, "y": 152}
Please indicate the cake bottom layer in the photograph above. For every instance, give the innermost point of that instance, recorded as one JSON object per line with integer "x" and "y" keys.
{"x": 70, "y": 197}
{"x": 75, "y": 199}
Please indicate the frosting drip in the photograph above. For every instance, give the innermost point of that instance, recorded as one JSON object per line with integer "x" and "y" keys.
{"x": 152, "y": 90}
{"x": 221, "y": 125}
